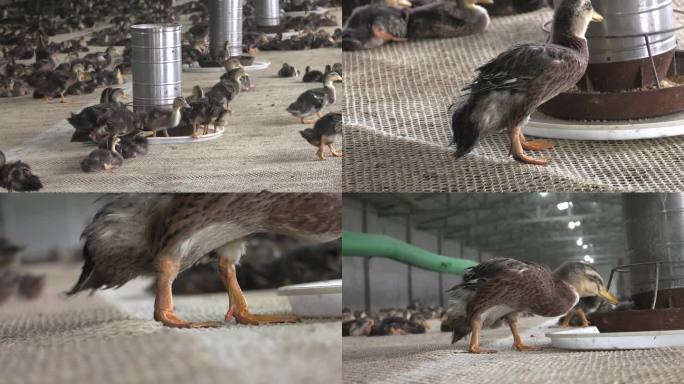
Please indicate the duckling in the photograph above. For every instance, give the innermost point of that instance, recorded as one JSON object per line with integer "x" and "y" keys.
{"x": 232, "y": 65}
{"x": 107, "y": 77}
{"x": 56, "y": 83}
{"x": 17, "y": 176}
{"x": 94, "y": 116}
{"x": 513, "y": 7}
{"x": 162, "y": 119}
{"x": 133, "y": 146}
{"x": 312, "y": 76}
{"x": 448, "y": 19}
{"x": 499, "y": 289}
{"x": 314, "y": 100}
{"x": 121, "y": 122}
{"x": 197, "y": 94}
{"x": 101, "y": 159}
{"x": 578, "y": 315}
{"x": 206, "y": 111}
{"x": 323, "y": 133}
{"x": 358, "y": 327}
{"x": 512, "y": 85}
{"x": 395, "y": 326}
{"x": 30, "y": 286}
{"x": 100, "y": 59}
{"x": 373, "y": 25}
{"x": 6, "y": 87}
{"x": 288, "y": 70}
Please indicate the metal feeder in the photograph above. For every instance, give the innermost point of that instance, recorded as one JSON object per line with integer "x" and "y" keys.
{"x": 225, "y": 28}
{"x": 267, "y": 13}
{"x": 156, "y": 65}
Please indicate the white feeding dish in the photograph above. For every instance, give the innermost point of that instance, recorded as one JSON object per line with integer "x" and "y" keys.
{"x": 589, "y": 338}
{"x": 212, "y": 135}
{"x": 318, "y": 299}
{"x": 256, "y": 66}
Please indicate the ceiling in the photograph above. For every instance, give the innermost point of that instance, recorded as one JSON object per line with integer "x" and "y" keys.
{"x": 520, "y": 225}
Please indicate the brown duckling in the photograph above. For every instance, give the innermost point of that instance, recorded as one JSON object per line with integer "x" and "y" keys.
{"x": 323, "y": 134}
{"x": 395, "y": 326}
{"x": 511, "y": 86}
{"x": 513, "y": 7}
{"x": 101, "y": 159}
{"x": 500, "y": 289}
{"x": 288, "y": 70}
{"x": 314, "y": 100}
{"x": 162, "y": 119}
{"x": 196, "y": 95}
{"x": 95, "y": 116}
{"x": 448, "y": 18}
{"x": 358, "y": 327}
{"x": 373, "y": 25}
{"x": 312, "y": 76}
{"x": 17, "y": 176}
{"x": 132, "y": 146}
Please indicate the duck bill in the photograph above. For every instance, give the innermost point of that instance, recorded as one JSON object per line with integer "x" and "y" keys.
{"x": 484, "y": 1}
{"x": 596, "y": 17}
{"x": 607, "y": 296}
{"x": 404, "y": 3}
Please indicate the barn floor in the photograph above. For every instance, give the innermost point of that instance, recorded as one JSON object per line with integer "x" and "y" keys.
{"x": 261, "y": 148}
{"x": 430, "y": 358}
{"x": 110, "y": 337}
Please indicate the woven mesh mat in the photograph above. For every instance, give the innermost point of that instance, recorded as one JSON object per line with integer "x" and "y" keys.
{"x": 397, "y": 126}
{"x": 430, "y": 358}
{"x": 111, "y": 338}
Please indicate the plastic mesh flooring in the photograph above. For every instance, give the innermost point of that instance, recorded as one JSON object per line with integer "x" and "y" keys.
{"x": 111, "y": 338}
{"x": 397, "y": 126}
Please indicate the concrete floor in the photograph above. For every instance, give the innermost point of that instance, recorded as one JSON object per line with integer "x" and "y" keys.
{"x": 261, "y": 148}
{"x": 110, "y": 337}
{"x": 430, "y": 358}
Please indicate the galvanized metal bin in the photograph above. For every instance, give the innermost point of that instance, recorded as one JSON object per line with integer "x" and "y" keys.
{"x": 267, "y": 13}
{"x": 631, "y": 19}
{"x": 156, "y": 65}
{"x": 225, "y": 25}
{"x": 655, "y": 232}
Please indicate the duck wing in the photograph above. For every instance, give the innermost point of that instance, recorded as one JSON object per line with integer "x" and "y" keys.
{"x": 517, "y": 68}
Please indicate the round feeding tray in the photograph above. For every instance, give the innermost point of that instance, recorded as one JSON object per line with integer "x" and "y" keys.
{"x": 318, "y": 299}
{"x": 256, "y": 66}
{"x": 187, "y": 139}
{"x": 590, "y": 338}
{"x": 542, "y": 125}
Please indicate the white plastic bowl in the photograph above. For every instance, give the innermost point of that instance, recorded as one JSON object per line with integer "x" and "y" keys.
{"x": 590, "y": 338}
{"x": 318, "y": 299}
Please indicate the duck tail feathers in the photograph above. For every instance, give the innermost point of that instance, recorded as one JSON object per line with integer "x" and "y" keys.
{"x": 466, "y": 133}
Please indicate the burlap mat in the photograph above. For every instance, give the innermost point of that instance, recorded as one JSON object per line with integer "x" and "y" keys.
{"x": 111, "y": 338}
{"x": 397, "y": 127}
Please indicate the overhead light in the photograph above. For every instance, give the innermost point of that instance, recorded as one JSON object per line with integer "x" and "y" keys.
{"x": 571, "y": 225}
{"x": 564, "y": 205}
{"x": 580, "y": 242}
{"x": 585, "y": 246}
{"x": 578, "y": 223}
{"x": 543, "y": 194}
{"x": 589, "y": 259}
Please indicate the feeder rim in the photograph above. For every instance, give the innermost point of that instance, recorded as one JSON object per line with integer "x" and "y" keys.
{"x": 158, "y": 27}
{"x": 547, "y": 29}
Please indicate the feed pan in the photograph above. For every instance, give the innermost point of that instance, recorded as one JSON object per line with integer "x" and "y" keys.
{"x": 318, "y": 299}
{"x": 589, "y": 338}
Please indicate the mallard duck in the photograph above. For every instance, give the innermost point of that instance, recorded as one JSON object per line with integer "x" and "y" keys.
{"x": 94, "y": 116}
{"x": 448, "y": 18}
{"x": 314, "y": 100}
{"x": 201, "y": 221}
{"x": 512, "y": 85}
{"x": 513, "y": 7}
{"x": 372, "y": 25}
{"x": 101, "y": 159}
{"x": 162, "y": 119}
{"x": 17, "y": 176}
{"x": 288, "y": 70}
{"x": 501, "y": 288}
{"x": 312, "y": 76}
{"x": 578, "y": 315}
{"x": 323, "y": 134}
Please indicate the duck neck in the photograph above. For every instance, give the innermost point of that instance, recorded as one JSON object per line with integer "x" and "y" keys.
{"x": 175, "y": 116}
{"x": 331, "y": 88}
{"x": 571, "y": 41}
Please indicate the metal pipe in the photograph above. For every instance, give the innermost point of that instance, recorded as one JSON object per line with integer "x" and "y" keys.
{"x": 225, "y": 28}
{"x": 267, "y": 13}
{"x": 156, "y": 65}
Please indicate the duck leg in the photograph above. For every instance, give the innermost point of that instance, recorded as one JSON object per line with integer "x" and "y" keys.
{"x": 517, "y": 341}
{"x": 517, "y": 149}
{"x": 167, "y": 270}
{"x": 380, "y": 33}
{"x": 194, "y": 131}
{"x": 304, "y": 121}
{"x": 476, "y": 325}
{"x": 334, "y": 151}
{"x": 566, "y": 320}
{"x": 583, "y": 317}
{"x": 238, "y": 304}
{"x": 535, "y": 145}
{"x": 321, "y": 148}
{"x": 61, "y": 97}
{"x": 206, "y": 129}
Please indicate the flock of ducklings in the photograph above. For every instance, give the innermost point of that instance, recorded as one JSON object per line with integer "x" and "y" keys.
{"x": 14, "y": 282}
{"x": 390, "y": 321}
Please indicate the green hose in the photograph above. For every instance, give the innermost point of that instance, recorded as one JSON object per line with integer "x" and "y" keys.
{"x": 364, "y": 244}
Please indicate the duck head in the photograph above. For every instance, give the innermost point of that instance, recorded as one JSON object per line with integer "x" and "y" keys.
{"x": 572, "y": 17}
{"x": 585, "y": 279}
{"x": 331, "y": 77}
{"x": 117, "y": 94}
{"x": 179, "y": 102}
